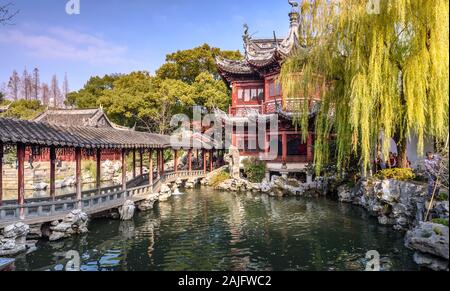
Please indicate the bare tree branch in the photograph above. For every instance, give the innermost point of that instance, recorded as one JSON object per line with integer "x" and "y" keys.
{"x": 7, "y": 13}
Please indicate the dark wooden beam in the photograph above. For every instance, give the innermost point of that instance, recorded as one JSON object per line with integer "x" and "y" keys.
{"x": 190, "y": 161}
{"x": 284, "y": 143}
{"x": 141, "y": 163}
{"x": 78, "y": 175}
{"x": 162, "y": 162}
{"x": 124, "y": 169}
{"x": 310, "y": 148}
{"x": 158, "y": 163}
{"x": 211, "y": 160}
{"x": 204, "y": 161}
{"x": 134, "y": 163}
{"x": 150, "y": 168}
{"x": 52, "y": 172}
{"x": 21, "y": 177}
{"x": 98, "y": 176}
{"x": 175, "y": 161}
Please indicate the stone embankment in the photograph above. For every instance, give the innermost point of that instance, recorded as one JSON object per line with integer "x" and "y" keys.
{"x": 403, "y": 205}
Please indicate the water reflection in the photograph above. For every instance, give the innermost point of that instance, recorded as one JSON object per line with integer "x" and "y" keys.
{"x": 208, "y": 230}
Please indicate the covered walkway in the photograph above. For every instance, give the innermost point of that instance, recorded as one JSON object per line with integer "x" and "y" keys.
{"x": 34, "y": 137}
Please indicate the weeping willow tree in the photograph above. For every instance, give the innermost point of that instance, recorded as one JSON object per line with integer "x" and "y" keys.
{"x": 382, "y": 66}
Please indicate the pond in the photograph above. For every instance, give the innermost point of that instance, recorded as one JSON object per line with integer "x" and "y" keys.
{"x": 206, "y": 230}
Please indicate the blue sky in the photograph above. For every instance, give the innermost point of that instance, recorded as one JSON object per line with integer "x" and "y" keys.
{"x": 120, "y": 36}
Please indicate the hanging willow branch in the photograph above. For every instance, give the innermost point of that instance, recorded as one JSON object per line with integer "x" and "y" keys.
{"x": 384, "y": 74}
{"x": 6, "y": 13}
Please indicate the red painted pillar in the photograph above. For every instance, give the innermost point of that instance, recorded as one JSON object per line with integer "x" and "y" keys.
{"x": 190, "y": 161}
{"x": 124, "y": 169}
{"x": 310, "y": 148}
{"x": 196, "y": 157}
{"x": 78, "y": 175}
{"x": 21, "y": 178}
{"x": 141, "y": 163}
{"x": 134, "y": 163}
{"x": 175, "y": 161}
{"x": 211, "y": 160}
{"x": 204, "y": 160}
{"x": 158, "y": 163}
{"x": 1, "y": 173}
{"x": 52, "y": 172}
{"x": 98, "y": 178}
{"x": 284, "y": 143}
{"x": 150, "y": 167}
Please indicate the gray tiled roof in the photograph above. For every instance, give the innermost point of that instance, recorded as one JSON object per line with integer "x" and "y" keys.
{"x": 36, "y": 133}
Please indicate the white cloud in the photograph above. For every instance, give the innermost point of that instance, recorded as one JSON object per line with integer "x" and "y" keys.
{"x": 58, "y": 43}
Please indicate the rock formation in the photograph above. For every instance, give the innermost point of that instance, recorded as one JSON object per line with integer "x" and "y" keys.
{"x": 430, "y": 241}
{"x": 127, "y": 210}
{"x": 165, "y": 193}
{"x": 233, "y": 160}
{"x": 13, "y": 239}
{"x": 74, "y": 223}
{"x": 397, "y": 203}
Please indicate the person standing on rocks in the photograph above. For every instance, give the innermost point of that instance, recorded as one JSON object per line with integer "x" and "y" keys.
{"x": 432, "y": 164}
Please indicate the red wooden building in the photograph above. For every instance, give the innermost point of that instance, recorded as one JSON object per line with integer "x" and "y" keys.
{"x": 256, "y": 91}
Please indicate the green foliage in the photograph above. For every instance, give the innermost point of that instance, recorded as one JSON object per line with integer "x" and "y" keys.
{"x": 396, "y": 174}
{"x": 219, "y": 178}
{"x": 90, "y": 167}
{"x": 88, "y": 96}
{"x": 254, "y": 169}
{"x": 209, "y": 92}
{"x": 385, "y": 72}
{"x": 24, "y": 109}
{"x": 443, "y": 197}
{"x": 440, "y": 221}
{"x": 437, "y": 231}
{"x": 188, "y": 78}
{"x": 186, "y": 65}
{"x": 2, "y": 97}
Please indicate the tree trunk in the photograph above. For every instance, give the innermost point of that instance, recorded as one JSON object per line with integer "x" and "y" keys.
{"x": 402, "y": 150}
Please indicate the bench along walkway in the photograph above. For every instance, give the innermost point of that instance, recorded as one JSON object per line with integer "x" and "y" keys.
{"x": 38, "y": 211}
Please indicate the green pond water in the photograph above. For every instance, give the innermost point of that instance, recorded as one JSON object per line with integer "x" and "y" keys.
{"x": 207, "y": 230}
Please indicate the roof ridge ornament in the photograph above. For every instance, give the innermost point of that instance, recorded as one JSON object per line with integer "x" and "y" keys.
{"x": 293, "y": 3}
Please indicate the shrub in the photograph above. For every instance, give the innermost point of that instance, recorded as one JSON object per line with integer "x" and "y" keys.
{"x": 443, "y": 197}
{"x": 440, "y": 221}
{"x": 254, "y": 169}
{"x": 90, "y": 167}
{"x": 219, "y": 178}
{"x": 396, "y": 174}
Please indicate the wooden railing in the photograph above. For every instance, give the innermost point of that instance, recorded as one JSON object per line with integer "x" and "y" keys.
{"x": 109, "y": 197}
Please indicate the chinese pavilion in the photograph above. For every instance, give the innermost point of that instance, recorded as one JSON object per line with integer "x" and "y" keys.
{"x": 255, "y": 90}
